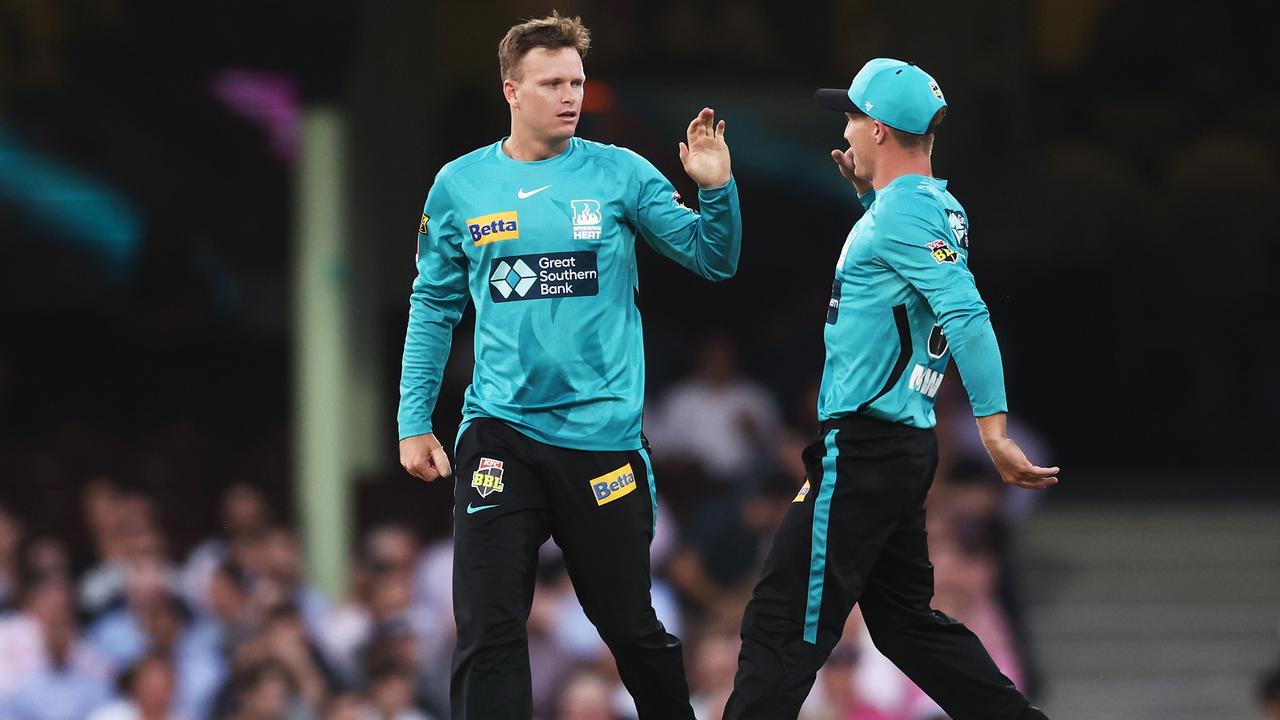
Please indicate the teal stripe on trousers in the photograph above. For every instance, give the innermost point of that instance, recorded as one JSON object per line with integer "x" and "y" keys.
{"x": 653, "y": 489}
{"x": 818, "y": 551}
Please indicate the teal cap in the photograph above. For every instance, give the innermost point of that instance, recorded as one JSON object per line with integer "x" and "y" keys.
{"x": 896, "y": 93}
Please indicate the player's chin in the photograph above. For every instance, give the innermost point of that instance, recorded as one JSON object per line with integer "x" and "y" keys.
{"x": 566, "y": 125}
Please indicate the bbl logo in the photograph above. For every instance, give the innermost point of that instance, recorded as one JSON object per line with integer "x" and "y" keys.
{"x": 586, "y": 219}
{"x": 613, "y": 485}
{"x": 488, "y": 479}
{"x": 942, "y": 253}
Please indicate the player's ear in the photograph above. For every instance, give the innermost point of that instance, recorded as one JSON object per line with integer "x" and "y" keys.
{"x": 509, "y": 92}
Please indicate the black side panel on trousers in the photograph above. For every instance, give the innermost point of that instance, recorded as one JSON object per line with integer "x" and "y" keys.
{"x": 868, "y": 480}
{"x": 510, "y": 494}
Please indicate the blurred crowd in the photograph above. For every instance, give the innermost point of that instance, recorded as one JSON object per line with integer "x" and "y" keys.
{"x": 123, "y": 624}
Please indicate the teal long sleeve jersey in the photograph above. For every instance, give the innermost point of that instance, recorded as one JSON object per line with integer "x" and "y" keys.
{"x": 902, "y": 304}
{"x": 546, "y": 252}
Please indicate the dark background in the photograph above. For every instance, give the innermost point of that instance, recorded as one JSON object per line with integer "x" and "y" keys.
{"x": 1119, "y": 164}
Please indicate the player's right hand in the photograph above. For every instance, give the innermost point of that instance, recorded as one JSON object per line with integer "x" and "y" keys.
{"x": 845, "y": 164}
{"x": 424, "y": 458}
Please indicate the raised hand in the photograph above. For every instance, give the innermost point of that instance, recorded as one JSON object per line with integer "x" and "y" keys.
{"x": 706, "y": 156}
{"x": 845, "y": 164}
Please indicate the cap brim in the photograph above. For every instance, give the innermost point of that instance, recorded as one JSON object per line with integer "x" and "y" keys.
{"x": 835, "y": 99}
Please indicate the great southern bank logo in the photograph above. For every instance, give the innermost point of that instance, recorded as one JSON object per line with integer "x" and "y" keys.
{"x": 586, "y": 219}
{"x": 494, "y": 227}
{"x": 544, "y": 275}
{"x": 512, "y": 277}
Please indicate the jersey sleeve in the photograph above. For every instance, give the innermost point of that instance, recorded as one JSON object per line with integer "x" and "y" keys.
{"x": 866, "y": 198}
{"x": 706, "y": 242}
{"x": 436, "y": 304}
{"x": 921, "y": 249}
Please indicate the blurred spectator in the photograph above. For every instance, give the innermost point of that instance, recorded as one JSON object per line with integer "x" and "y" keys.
{"x": 391, "y": 693}
{"x": 123, "y": 531}
{"x": 266, "y": 691}
{"x": 287, "y": 643}
{"x": 45, "y": 556}
{"x": 347, "y": 706}
{"x": 967, "y": 506}
{"x": 551, "y": 652}
{"x": 201, "y": 658}
{"x": 724, "y": 545}
{"x": 148, "y": 690}
{"x": 10, "y": 540}
{"x": 279, "y": 562}
{"x": 717, "y": 419}
{"x": 41, "y": 636}
{"x": 586, "y": 696}
{"x": 1269, "y": 693}
{"x": 715, "y": 662}
{"x": 965, "y": 578}
{"x": 151, "y": 618}
{"x": 49, "y": 674}
{"x": 244, "y": 518}
{"x": 833, "y": 696}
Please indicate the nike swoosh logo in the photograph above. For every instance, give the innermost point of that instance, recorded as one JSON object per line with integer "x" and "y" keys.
{"x": 473, "y": 509}
{"x": 522, "y": 194}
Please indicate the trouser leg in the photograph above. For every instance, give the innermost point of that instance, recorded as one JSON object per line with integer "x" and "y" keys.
{"x": 937, "y": 652}
{"x": 816, "y": 570}
{"x": 500, "y": 521}
{"x": 604, "y": 522}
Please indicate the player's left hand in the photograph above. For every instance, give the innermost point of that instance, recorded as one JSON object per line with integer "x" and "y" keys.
{"x": 706, "y": 157}
{"x": 1015, "y": 468}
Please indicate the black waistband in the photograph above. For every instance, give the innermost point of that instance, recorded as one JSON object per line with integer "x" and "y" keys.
{"x": 858, "y": 422}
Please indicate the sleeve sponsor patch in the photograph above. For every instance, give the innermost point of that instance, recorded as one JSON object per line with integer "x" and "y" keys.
{"x": 959, "y": 227}
{"x": 942, "y": 253}
{"x": 422, "y": 226}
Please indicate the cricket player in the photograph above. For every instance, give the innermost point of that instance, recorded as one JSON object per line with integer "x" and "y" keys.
{"x": 902, "y": 305}
{"x": 539, "y": 230}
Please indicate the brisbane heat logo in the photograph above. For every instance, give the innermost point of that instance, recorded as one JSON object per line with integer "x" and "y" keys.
{"x": 586, "y": 219}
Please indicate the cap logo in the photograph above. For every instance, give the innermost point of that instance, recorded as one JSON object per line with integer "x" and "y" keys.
{"x": 937, "y": 91}
{"x": 868, "y": 105}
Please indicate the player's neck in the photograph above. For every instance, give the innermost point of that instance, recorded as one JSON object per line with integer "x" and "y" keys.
{"x": 525, "y": 147}
{"x": 891, "y": 168}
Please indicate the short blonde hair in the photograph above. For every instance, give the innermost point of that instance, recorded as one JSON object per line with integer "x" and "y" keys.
{"x": 552, "y": 32}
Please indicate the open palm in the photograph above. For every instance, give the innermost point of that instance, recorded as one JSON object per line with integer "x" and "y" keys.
{"x": 706, "y": 156}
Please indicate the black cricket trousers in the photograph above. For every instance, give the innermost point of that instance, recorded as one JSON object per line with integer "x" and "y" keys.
{"x": 510, "y": 494}
{"x": 856, "y": 534}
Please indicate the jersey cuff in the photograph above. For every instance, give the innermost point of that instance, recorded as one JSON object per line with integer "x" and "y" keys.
{"x": 408, "y": 430}
{"x": 716, "y": 189}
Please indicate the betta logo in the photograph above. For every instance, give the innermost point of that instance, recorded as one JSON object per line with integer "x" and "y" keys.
{"x": 613, "y": 485}
{"x": 494, "y": 227}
